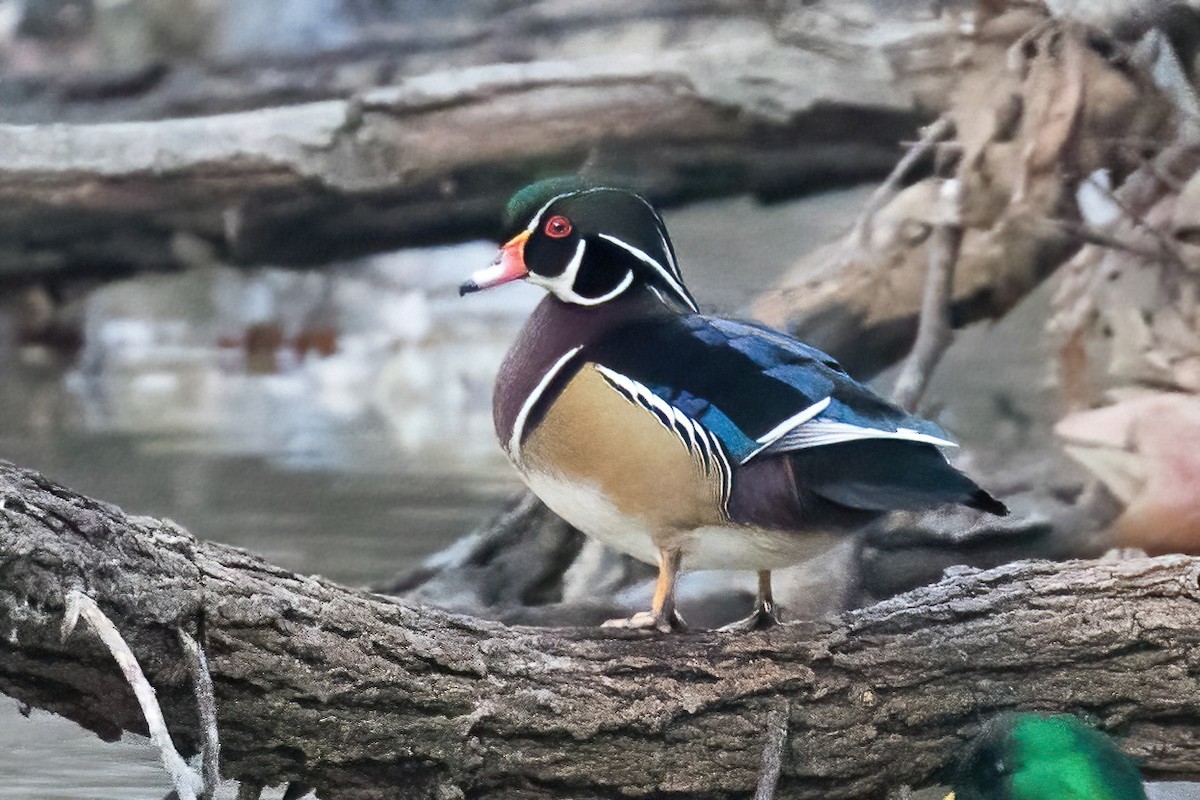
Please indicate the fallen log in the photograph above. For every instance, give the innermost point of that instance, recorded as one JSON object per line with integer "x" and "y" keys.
{"x": 365, "y": 697}
{"x": 248, "y": 59}
{"x": 431, "y": 154}
{"x": 427, "y": 161}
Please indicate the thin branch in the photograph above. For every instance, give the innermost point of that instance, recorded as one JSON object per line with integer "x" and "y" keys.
{"x": 1015, "y": 58}
{"x": 187, "y": 783}
{"x": 954, "y": 148}
{"x": 243, "y": 183}
{"x": 1090, "y": 235}
{"x": 1166, "y": 247}
{"x": 932, "y": 134}
{"x": 933, "y": 329}
{"x": 206, "y": 701}
{"x": 772, "y": 759}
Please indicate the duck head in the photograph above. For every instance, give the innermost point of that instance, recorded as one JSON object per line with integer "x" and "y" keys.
{"x": 1036, "y": 757}
{"x": 586, "y": 245}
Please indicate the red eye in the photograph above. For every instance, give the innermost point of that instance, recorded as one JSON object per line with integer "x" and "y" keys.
{"x": 557, "y": 227}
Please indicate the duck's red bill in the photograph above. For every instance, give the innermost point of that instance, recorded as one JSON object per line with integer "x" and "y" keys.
{"x": 509, "y": 266}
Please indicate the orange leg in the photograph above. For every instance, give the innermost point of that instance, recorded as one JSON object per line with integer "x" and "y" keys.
{"x": 662, "y": 615}
{"x": 766, "y": 599}
{"x": 663, "y": 607}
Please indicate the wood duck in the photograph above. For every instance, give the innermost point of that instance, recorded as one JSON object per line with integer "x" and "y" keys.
{"x": 1035, "y": 757}
{"x": 683, "y": 439}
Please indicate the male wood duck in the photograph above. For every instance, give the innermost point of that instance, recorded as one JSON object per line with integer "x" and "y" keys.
{"x": 683, "y": 439}
{"x": 1035, "y": 757}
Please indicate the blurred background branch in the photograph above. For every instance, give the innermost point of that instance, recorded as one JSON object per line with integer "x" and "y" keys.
{"x": 415, "y": 124}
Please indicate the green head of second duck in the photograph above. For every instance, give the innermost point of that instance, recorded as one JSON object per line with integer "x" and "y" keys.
{"x": 1037, "y": 757}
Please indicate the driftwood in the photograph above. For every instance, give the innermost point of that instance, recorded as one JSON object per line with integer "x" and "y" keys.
{"x": 739, "y": 102}
{"x": 365, "y": 697}
{"x": 431, "y": 160}
{"x": 277, "y": 64}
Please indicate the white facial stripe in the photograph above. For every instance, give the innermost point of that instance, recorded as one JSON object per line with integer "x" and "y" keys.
{"x": 670, "y": 256}
{"x": 663, "y": 238}
{"x": 514, "y": 441}
{"x": 641, "y": 255}
{"x": 563, "y": 283}
{"x": 604, "y": 298}
{"x": 572, "y": 271}
{"x": 533, "y": 223}
{"x": 563, "y": 286}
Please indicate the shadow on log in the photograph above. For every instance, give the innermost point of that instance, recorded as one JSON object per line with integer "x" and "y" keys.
{"x": 365, "y": 697}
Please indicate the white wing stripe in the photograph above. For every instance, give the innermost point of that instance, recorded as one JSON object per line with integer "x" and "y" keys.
{"x": 794, "y": 421}
{"x": 699, "y": 441}
{"x": 818, "y": 432}
{"x": 769, "y": 438}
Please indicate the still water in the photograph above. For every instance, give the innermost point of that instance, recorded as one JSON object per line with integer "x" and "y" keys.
{"x": 353, "y": 464}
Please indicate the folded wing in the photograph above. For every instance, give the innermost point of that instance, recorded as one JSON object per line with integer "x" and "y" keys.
{"x": 763, "y": 395}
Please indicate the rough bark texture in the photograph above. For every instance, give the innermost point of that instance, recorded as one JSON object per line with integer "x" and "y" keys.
{"x": 365, "y": 697}
{"x": 732, "y": 103}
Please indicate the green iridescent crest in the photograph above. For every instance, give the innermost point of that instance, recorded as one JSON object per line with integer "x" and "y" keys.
{"x": 528, "y": 201}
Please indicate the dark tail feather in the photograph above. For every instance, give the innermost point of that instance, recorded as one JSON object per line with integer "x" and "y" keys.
{"x": 887, "y": 475}
{"x": 985, "y": 502}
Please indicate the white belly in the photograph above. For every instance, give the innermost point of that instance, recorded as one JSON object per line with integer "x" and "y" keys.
{"x": 710, "y": 547}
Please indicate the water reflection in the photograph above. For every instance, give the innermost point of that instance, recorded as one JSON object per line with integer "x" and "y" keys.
{"x": 350, "y": 441}
{"x": 292, "y": 366}
{"x": 336, "y": 423}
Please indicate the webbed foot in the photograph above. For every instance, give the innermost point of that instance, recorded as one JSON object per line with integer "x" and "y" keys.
{"x": 649, "y": 621}
{"x": 764, "y": 616}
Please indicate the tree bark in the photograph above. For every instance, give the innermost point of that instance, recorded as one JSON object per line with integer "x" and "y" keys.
{"x": 365, "y": 697}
